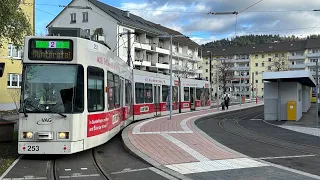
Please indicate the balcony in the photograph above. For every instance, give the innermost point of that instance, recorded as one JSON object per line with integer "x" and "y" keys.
{"x": 146, "y": 63}
{"x": 196, "y": 58}
{"x": 181, "y": 55}
{"x": 311, "y": 64}
{"x": 313, "y": 55}
{"x": 199, "y": 71}
{"x": 238, "y": 85}
{"x": 162, "y": 66}
{"x": 137, "y": 63}
{"x": 243, "y": 77}
{"x": 142, "y": 46}
{"x": 240, "y": 68}
{"x": 239, "y": 60}
{"x": 163, "y": 51}
{"x": 297, "y": 66}
{"x": 297, "y": 57}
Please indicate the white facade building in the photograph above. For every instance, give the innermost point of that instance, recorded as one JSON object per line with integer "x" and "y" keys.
{"x": 148, "y": 51}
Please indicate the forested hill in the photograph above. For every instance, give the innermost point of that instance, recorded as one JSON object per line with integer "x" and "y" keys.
{"x": 253, "y": 39}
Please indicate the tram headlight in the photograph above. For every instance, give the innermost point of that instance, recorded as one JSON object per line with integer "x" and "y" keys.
{"x": 27, "y": 135}
{"x": 63, "y": 135}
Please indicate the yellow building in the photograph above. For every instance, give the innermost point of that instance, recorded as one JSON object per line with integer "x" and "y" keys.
{"x": 10, "y": 61}
{"x": 249, "y": 62}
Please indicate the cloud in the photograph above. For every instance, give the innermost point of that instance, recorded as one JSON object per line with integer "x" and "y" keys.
{"x": 190, "y": 17}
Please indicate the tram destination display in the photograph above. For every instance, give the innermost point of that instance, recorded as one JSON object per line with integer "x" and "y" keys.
{"x": 50, "y": 49}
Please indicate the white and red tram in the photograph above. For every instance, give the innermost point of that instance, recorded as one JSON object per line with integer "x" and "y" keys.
{"x": 152, "y": 92}
{"x": 76, "y": 95}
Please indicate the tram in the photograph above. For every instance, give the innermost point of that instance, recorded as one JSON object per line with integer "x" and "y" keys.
{"x": 76, "y": 95}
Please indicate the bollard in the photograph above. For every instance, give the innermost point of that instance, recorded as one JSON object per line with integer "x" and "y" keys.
{"x": 256, "y": 100}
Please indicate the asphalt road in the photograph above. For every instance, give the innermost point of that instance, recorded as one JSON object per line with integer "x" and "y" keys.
{"x": 258, "y": 140}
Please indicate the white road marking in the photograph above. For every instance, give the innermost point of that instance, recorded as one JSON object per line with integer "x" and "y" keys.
{"x": 216, "y": 165}
{"x": 163, "y": 174}
{"x": 283, "y": 157}
{"x": 291, "y": 170}
{"x": 11, "y": 166}
{"x": 127, "y": 170}
{"x": 24, "y": 178}
{"x": 186, "y": 148}
{"x": 78, "y": 175}
{"x": 67, "y": 169}
{"x": 256, "y": 119}
{"x": 83, "y": 169}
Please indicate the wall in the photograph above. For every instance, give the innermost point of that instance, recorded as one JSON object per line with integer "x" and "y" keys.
{"x": 13, "y": 65}
{"x": 96, "y": 19}
{"x": 288, "y": 92}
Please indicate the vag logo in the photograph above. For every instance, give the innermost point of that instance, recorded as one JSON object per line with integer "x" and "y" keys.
{"x": 45, "y": 121}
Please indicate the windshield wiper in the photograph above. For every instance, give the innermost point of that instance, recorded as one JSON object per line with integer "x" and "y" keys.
{"x": 24, "y": 108}
{"x": 63, "y": 115}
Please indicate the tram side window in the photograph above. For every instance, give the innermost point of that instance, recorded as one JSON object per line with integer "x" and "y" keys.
{"x": 148, "y": 93}
{"x": 95, "y": 89}
{"x": 186, "y": 94}
{"x": 165, "y": 93}
{"x": 117, "y": 91}
{"x": 127, "y": 92}
{"x": 198, "y": 93}
{"x": 111, "y": 91}
{"x": 139, "y": 93}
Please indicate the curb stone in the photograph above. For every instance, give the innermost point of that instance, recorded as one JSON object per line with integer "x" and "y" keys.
{"x": 140, "y": 155}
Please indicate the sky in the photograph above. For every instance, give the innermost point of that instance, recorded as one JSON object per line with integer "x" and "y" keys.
{"x": 192, "y": 18}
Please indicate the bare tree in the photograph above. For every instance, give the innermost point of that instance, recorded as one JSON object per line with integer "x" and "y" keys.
{"x": 184, "y": 71}
{"x": 225, "y": 73}
{"x": 279, "y": 63}
{"x": 15, "y": 96}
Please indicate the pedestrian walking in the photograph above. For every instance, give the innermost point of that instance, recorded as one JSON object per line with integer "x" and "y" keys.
{"x": 227, "y": 101}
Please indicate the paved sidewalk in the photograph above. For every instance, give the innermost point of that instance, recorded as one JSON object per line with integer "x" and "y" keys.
{"x": 178, "y": 147}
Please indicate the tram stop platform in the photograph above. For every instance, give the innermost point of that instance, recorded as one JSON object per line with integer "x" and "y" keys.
{"x": 287, "y": 94}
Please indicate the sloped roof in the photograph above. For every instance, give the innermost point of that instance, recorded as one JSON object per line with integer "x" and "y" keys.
{"x": 259, "y": 48}
{"x": 183, "y": 40}
{"x": 132, "y": 20}
{"x": 313, "y": 43}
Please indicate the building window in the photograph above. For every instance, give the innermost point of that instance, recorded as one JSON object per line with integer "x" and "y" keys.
{"x": 73, "y": 18}
{"x": 269, "y": 59}
{"x": 14, "y": 51}
{"x": 207, "y": 78}
{"x": 262, "y": 89}
{"x": 87, "y": 31}
{"x": 256, "y": 72}
{"x": 262, "y": 64}
{"x": 257, "y": 81}
{"x": 2, "y": 66}
{"x": 262, "y": 56}
{"x": 256, "y": 56}
{"x": 276, "y": 55}
{"x": 206, "y": 70}
{"x": 256, "y": 64}
{"x": 95, "y": 89}
{"x": 14, "y": 80}
{"x": 282, "y": 54}
{"x": 85, "y": 17}
{"x": 269, "y": 68}
{"x": 207, "y": 62}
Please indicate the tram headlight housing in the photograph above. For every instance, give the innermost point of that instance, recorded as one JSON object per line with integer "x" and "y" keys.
{"x": 27, "y": 135}
{"x": 63, "y": 135}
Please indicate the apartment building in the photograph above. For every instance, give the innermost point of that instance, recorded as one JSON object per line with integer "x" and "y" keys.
{"x": 247, "y": 63}
{"x": 11, "y": 66}
{"x": 148, "y": 43}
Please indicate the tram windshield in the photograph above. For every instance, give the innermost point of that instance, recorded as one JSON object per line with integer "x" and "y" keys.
{"x": 52, "y": 88}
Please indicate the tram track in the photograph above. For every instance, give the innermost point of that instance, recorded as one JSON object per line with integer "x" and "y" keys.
{"x": 236, "y": 129}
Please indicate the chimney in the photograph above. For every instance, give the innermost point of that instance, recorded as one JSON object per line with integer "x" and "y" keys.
{"x": 127, "y": 13}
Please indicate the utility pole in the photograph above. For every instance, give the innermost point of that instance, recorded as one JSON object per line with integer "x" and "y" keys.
{"x": 317, "y": 85}
{"x": 240, "y": 87}
{"x": 129, "y": 49}
{"x": 217, "y": 88}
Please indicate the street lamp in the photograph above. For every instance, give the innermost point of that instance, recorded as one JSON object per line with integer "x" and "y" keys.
{"x": 217, "y": 79}
{"x": 171, "y": 36}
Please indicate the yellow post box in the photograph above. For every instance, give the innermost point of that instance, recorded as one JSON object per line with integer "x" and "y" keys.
{"x": 291, "y": 111}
